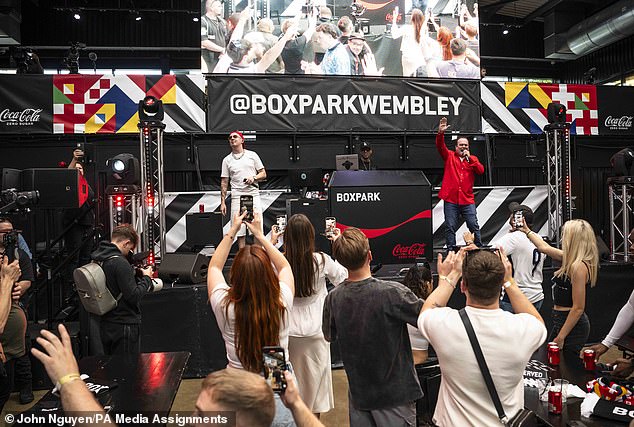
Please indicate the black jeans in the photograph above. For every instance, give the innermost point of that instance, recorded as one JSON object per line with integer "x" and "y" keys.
{"x": 6, "y": 382}
{"x": 120, "y": 338}
{"x": 576, "y": 339}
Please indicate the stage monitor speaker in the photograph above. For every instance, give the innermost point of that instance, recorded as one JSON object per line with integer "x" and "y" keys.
{"x": 203, "y": 229}
{"x": 316, "y": 210}
{"x": 185, "y": 268}
{"x": 58, "y": 187}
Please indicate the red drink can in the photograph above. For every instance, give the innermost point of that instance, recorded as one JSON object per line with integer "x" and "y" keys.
{"x": 201, "y": 208}
{"x": 588, "y": 360}
{"x": 553, "y": 354}
{"x": 555, "y": 402}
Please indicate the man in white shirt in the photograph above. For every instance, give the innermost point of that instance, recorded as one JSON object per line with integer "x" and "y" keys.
{"x": 528, "y": 262}
{"x": 507, "y": 340}
{"x": 243, "y": 169}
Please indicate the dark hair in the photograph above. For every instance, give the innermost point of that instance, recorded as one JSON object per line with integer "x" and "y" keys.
{"x": 299, "y": 247}
{"x": 255, "y": 294}
{"x": 457, "y": 46}
{"x": 415, "y": 280}
{"x": 483, "y": 273}
{"x": 125, "y": 232}
{"x": 5, "y": 219}
{"x": 328, "y": 29}
{"x": 237, "y": 49}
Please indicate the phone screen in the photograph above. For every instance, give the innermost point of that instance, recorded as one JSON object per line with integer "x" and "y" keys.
{"x": 331, "y": 224}
{"x": 274, "y": 367}
{"x": 246, "y": 204}
{"x": 281, "y": 223}
{"x": 518, "y": 219}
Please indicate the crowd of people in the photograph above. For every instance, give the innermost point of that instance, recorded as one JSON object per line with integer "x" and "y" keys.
{"x": 278, "y": 297}
{"x": 313, "y": 42}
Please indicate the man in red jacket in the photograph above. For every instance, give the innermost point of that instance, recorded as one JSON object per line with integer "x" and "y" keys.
{"x": 457, "y": 186}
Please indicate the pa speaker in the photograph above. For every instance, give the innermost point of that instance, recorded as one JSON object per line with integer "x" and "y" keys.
{"x": 59, "y": 188}
{"x": 186, "y": 268}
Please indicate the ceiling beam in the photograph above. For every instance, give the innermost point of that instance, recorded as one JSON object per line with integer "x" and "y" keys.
{"x": 546, "y": 7}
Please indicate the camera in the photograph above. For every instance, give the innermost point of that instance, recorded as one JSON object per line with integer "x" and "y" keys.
{"x": 246, "y": 204}
{"x": 274, "y": 367}
{"x": 139, "y": 262}
{"x": 19, "y": 199}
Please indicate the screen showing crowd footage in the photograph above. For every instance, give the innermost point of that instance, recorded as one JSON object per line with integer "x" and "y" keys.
{"x": 409, "y": 38}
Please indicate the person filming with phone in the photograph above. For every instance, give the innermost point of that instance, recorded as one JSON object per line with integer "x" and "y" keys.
{"x": 243, "y": 169}
{"x": 254, "y": 311}
{"x": 457, "y": 186}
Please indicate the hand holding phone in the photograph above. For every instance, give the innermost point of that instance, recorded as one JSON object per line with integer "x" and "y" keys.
{"x": 246, "y": 205}
{"x": 331, "y": 225}
{"x": 518, "y": 219}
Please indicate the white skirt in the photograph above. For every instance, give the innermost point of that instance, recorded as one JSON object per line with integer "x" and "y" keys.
{"x": 310, "y": 357}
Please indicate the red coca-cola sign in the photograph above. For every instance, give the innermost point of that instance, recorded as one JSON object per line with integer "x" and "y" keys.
{"x": 415, "y": 250}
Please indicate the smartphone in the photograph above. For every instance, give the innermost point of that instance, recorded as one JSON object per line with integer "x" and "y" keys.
{"x": 281, "y": 223}
{"x": 518, "y": 219}
{"x": 246, "y": 204}
{"x": 331, "y": 224}
{"x": 274, "y": 367}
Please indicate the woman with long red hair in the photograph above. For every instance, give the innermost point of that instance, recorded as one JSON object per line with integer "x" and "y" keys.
{"x": 254, "y": 311}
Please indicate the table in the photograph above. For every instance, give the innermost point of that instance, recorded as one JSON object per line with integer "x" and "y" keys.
{"x": 574, "y": 372}
{"x": 146, "y": 382}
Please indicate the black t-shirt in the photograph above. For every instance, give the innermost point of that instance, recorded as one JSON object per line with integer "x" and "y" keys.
{"x": 292, "y": 55}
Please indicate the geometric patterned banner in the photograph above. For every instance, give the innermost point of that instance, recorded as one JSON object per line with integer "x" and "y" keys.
{"x": 520, "y": 108}
{"x": 109, "y": 104}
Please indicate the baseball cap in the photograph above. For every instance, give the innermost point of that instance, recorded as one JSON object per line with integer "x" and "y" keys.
{"x": 528, "y": 212}
{"x": 365, "y": 145}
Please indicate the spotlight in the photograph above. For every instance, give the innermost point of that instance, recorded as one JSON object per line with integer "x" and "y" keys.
{"x": 138, "y": 17}
{"x": 77, "y": 16}
{"x": 125, "y": 169}
{"x": 151, "y": 109}
{"x": 556, "y": 113}
{"x": 195, "y": 19}
{"x": 505, "y": 31}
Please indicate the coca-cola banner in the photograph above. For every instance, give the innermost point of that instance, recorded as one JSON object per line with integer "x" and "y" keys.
{"x": 26, "y": 104}
{"x": 277, "y": 103}
{"x": 616, "y": 114}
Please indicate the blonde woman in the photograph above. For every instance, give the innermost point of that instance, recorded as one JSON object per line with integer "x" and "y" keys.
{"x": 579, "y": 258}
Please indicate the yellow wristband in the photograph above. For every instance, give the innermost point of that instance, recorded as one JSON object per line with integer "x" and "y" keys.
{"x": 446, "y": 279}
{"x": 529, "y": 233}
{"x": 67, "y": 379}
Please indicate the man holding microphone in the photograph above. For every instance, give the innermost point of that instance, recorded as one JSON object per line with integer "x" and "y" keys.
{"x": 457, "y": 186}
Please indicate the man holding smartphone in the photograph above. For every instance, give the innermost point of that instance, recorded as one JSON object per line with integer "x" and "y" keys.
{"x": 244, "y": 170}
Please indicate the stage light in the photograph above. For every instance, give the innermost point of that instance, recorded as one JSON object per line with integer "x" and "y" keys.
{"x": 556, "y": 113}
{"x": 77, "y": 16}
{"x": 138, "y": 17}
{"x": 195, "y": 19}
{"x": 505, "y": 31}
{"x": 623, "y": 162}
{"x": 125, "y": 169}
{"x": 151, "y": 109}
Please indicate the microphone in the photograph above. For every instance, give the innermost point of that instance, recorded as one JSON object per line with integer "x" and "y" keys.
{"x": 467, "y": 157}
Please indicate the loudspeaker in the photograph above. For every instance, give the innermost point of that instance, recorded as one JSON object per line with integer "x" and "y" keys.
{"x": 186, "y": 268}
{"x": 604, "y": 252}
{"x": 316, "y": 210}
{"x": 59, "y": 188}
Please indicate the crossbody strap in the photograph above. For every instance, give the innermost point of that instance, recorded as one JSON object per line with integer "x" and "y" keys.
{"x": 483, "y": 366}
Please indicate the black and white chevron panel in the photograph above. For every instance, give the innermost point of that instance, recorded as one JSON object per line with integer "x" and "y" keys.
{"x": 178, "y": 205}
{"x": 493, "y": 214}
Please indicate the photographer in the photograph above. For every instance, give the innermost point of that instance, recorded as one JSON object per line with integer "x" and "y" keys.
{"x": 120, "y": 328}
{"x": 13, "y": 319}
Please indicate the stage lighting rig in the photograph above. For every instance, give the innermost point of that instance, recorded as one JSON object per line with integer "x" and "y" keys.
{"x": 623, "y": 163}
{"x": 556, "y": 113}
{"x": 151, "y": 110}
{"x": 124, "y": 174}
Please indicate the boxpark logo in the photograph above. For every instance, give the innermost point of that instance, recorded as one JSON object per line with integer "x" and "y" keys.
{"x": 359, "y": 197}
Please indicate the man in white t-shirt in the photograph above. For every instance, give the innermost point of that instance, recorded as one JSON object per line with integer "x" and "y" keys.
{"x": 528, "y": 262}
{"x": 243, "y": 169}
{"x": 507, "y": 340}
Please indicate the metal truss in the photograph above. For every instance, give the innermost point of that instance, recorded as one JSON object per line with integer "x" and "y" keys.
{"x": 153, "y": 205}
{"x": 124, "y": 209}
{"x": 620, "y": 192}
{"x": 559, "y": 180}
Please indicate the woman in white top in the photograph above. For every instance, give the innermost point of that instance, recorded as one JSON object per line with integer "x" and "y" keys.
{"x": 309, "y": 351}
{"x": 419, "y": 280}
{"x": 254, "y": 311}
{"x": 415, "y": 46}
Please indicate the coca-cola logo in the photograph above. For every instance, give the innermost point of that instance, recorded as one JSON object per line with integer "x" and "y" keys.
{"x": 416, "y": 250}
{"x": 623, "y": 122}
{"x": 26, "y": 117}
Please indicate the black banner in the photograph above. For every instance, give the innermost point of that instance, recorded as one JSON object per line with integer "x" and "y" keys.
{"x": 281, "y": 103}
{"x": 615, "y": 116}
{"x": 26, "y": 104}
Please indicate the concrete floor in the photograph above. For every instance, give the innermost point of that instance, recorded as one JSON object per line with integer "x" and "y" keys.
{"x": 188, "y": 392}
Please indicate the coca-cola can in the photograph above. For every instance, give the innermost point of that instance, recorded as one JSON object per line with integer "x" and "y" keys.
{"x": 553, "y": 354}
{"x": 588, "y": 360}
{"x": 555, "y": 402}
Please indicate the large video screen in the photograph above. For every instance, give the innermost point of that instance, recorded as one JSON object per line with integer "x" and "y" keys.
{"x": 409, "y": 38}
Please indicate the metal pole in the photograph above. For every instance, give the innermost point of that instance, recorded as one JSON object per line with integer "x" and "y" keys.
{"x": 612, "y": 234}
{"x": 626, "y": 223}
